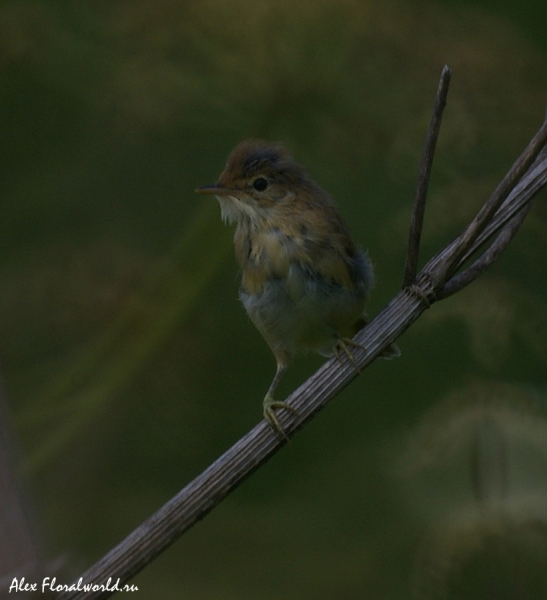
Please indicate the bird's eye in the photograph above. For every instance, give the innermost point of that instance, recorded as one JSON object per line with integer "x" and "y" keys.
{"x": 260, "y": 184}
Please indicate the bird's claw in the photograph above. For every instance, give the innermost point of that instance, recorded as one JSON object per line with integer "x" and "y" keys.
{"x": 270, "y": 405}
{"x": 342, "y": 344}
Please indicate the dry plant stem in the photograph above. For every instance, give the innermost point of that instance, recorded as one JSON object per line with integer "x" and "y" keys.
{"x": 494, "y": 251}
{"x": 512, "y": 206}
{"x": 208, "y": 489}
{"x": 508, "y": 220}
{"x": 479, "y": 266}
{"x": 466, "y": 240}
{"x": 426, "y": 162}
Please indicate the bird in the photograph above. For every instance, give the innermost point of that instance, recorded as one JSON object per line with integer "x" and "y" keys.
{"x": 305, "y": 283}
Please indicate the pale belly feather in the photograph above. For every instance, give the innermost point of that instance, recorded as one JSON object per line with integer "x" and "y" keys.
{"x": 305, "y": 312}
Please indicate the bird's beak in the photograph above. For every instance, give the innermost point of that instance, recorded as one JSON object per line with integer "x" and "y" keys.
{"x": 214, "y": 188}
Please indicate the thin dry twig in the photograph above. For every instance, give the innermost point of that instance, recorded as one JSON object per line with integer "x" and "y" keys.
{"x": 458, "y": 282}
{"x": 465, "y": 242}
{"x": 424, "y": 173}
{"x": 508, "y": 220}
{"x": 509, "y": 210}
{"x": 503, "y": 213}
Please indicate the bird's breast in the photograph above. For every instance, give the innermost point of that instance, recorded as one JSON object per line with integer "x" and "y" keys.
{"x": 266, "y": 254}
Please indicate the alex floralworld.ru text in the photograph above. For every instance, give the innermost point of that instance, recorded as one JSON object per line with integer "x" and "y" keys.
{"x": 50, "y": 584}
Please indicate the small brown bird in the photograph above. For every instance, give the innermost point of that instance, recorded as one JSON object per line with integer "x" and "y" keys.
{"x": 305, "y": 283}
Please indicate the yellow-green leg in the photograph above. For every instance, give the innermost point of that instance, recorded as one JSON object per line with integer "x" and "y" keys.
{"x": 343, "y": 344}
{"x": 270, "y": 405}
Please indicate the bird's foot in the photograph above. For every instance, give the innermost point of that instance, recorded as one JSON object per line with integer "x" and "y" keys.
{"x": 270, "y": 405}
{"x": 342, "y": 344}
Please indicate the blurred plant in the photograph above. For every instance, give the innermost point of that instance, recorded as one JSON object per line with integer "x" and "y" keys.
{"x": 496, "y": 312}
{"x": 475, "y": 472}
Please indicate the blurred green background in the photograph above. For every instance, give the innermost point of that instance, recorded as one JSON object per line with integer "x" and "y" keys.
{"x": 130, "y": 364}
